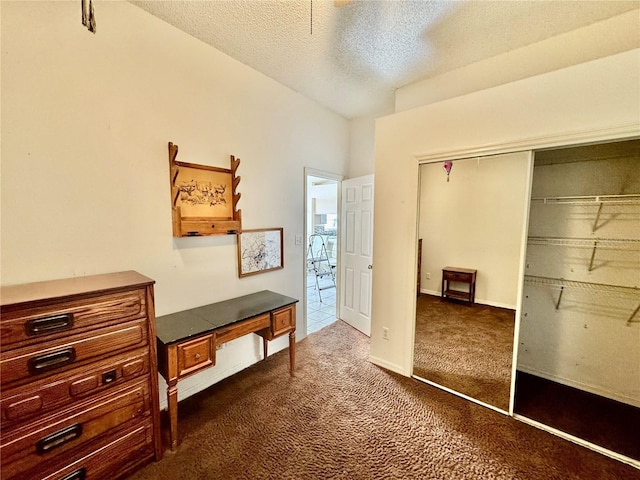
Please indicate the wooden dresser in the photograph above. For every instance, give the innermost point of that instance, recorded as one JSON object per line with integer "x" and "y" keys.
{"x": 78, "y": 373}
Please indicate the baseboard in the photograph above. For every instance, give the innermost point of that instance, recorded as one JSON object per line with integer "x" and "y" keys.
{"x": 218, "y": 375}
{"x": 478, "y": 300}
{"x": 462, "y": 395}
{"x": 388, "y": 366}
{"x": 430, "y": 292}
{"x": 496, "y": 304}
{"x": 580, "y": 386}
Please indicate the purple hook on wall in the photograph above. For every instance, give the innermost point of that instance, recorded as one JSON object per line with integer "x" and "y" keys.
{"x": 447, "y": 167}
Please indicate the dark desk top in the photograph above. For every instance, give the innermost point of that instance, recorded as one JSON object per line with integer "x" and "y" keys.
{"x": 459, "y": 270}
{"x": 180, "y": 326}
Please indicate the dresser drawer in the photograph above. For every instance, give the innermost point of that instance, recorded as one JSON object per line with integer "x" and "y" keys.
{"x": 49, "y": 441}
{"x": 64, "y": 389}
{"x": 33, "y": 362}
{"x": 61, "y": 319}
{"x": 109, "y": 458}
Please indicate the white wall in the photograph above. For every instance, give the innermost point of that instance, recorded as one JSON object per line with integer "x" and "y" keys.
{"x": 608, "y": 37}
{"x": 475, "y": 220}
{"x": 85, "y": 173}
{"x": 326, "y": 197}
{"x": 585, "y": 102}
{"x": 361, "y": 145}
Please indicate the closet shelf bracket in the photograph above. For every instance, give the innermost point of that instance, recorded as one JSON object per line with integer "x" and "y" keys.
{"x": 595, "y": 224}
{"x": 559, "y": 297}
{"x": 631, "y": 320}
{"x": 593, "y": 256}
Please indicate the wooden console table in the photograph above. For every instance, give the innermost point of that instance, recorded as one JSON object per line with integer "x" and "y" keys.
{"x": 187, "y": 340}
{"x": 461, "y": 275}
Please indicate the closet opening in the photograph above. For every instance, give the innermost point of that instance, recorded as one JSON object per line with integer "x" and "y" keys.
{"x": 578, "y": 365}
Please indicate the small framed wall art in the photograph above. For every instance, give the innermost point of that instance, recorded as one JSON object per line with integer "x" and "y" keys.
{"x": 260, "y": 250}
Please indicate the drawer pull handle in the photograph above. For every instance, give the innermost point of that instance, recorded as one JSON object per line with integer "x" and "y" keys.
{"x": 108, "y": 377}
{"x": 58, "y": 439}
{"x": 79, "y": 474}
{"x": 197, "y": 356}
{"x": 53, "y": 360}
{"x": 40, "y": 326}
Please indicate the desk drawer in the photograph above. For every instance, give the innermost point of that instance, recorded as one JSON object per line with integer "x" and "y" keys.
{"x": 49, "y": 440}
{"x": 65, "y": 389}
{"x": 51, "y": 357}
{"x": 240, "y": 329}
{"x": 195, "y": 354}
{"x": 283, "y": 320}
{"x": 62, "y": 319}
{"x": 458, "y": 277}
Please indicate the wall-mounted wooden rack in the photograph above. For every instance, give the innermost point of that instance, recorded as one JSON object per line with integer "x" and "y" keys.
{"x": 204, "y": 199}
{"x": 595, "y": 288}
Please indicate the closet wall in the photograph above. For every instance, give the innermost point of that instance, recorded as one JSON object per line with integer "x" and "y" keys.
{"x": 578, "y": 325}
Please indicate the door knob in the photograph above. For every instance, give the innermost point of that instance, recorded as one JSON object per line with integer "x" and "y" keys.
{"x": 370, "y": 267}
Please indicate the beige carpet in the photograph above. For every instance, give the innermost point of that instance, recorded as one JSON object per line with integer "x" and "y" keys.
{"x": 342, "y": 417}
{"x": 467, "y": 348}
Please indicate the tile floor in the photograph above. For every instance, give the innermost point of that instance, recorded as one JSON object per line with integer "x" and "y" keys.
{"x": 320, "y": 314}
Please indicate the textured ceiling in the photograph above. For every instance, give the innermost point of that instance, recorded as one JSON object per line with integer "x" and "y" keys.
{"x": 352, "y": 58}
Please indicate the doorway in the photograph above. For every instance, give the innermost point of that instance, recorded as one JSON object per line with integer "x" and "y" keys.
{"x": 321, "y": 248}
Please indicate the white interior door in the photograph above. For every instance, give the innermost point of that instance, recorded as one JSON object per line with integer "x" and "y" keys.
{"x": 356, "y": 252}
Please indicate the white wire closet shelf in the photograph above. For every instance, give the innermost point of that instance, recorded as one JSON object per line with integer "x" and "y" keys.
{"x": 609, "y": 243}
{"x": 596, "y": 200}
{"x": 623, "y": 244}
{"x": 595, "y": 288}
{"x": 629, "y": 199}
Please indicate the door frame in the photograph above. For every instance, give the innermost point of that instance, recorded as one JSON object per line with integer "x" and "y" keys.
{"x": 312, "y": 172}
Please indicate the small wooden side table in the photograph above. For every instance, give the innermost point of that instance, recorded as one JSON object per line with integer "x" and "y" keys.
{"x": 460, "y": 275}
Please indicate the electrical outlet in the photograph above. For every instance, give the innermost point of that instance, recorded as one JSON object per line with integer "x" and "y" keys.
{"x": 220, "y": 346}
{"x": 428, "y": 275}
{"x": 385, "y": 333}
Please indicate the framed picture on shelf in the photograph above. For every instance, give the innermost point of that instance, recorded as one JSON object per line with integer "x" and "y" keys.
{"x": 260, "y": 250}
